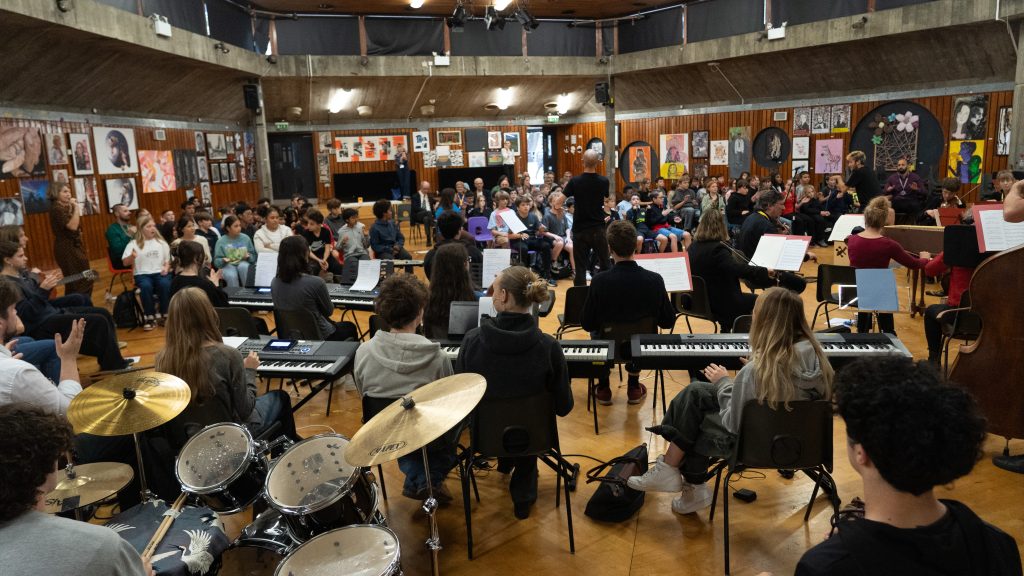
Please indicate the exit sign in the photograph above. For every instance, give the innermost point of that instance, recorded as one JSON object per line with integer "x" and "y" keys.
{"x": 553, "y": 118}
{"x": 281, "y": 125}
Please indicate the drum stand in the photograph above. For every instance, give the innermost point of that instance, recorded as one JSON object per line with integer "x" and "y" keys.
{"x": 146, "y": 494}
{"x": 429, "y": 507}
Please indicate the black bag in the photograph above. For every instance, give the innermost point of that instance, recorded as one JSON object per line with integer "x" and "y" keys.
{"x": 613, "y": 501}
{"x": 127, "y": 312}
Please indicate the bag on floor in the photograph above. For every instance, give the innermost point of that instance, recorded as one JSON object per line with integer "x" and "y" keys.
{"x": 127, "y": 312}
{"x": 613, "y": 501}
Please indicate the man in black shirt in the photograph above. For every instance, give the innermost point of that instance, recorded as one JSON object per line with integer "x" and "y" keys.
{"x": 770, "y": 205}
{"x": 907, "y": 432}
{"x": 738, "y": 207}
{"x": 861, "y": 178}
{"x": 589, "y": 190}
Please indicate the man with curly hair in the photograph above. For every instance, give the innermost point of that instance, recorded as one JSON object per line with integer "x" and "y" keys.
{"x": 907, "y": 432}
{"x": 33, "y": 542}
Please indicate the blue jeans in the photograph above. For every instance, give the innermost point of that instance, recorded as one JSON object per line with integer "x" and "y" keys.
{"x": 235, "y": 275}
{"x": 274, "y": 407}
{"x": 441, "y": 454}
{"x": 40, "y": 353}
{"x": 154, "y": 285}
{"x": 688, "y": 213}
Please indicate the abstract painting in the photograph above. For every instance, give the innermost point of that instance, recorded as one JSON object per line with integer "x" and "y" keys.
{"x": 421, "y": 141}
{"x": 841, "y": 118}
{"x": 33, "y": 196}
{"x": 81, "y": 154}
{"x": 121, "y": 191}
{"x": 700, "y": 144}
{"x": 719, "y": 152}
{"x": 821, "y": 120}
{"x": 828, "y": 156}
{"x": 157, "y": 167}
{"x": 21, "y": 152}
{"x": 965, "y": 159}
{"x": 739, "y": 150}
{"x": 675, "y": 155}
{"x": 970, "y": 116}
{"x": 1003, "y": 131}
{"x": 801, "y": 121}
{"x": 115, "y": 150}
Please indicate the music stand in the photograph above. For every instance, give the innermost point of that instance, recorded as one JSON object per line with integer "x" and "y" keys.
{"x": 462, "y": 317}
{"x": 876, "y": 292}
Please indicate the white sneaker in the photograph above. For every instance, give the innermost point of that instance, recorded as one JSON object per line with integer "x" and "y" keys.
{"x": 659, "y": 478}
{"x": 694, "y": 497}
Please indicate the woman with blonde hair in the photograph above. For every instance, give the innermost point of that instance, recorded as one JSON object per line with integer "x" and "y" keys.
{"x": 150, "y": 258}
{"x": 223, "y": 384}
{"x": 68, "y": 250}
{"x": 786, "y": 364}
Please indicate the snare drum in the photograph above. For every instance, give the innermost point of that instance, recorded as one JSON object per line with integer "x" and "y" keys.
{"x": 315, "y": 490}
{"x": 220, "y": 465}
{"x": 360, "y": 550}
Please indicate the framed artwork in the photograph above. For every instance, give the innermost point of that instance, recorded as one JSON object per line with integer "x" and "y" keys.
{"x": 719, "y": 152}
{"x": 204, "y": 173}
{"x": 421, "y": 141}
{"x": 215, "y": 173}
{"x": 200, "y": 143}
{"x": 157, "y": 167}
{"x": 59, "y": 176}
{"x": 185, "y": 174}
{"x": 821, "y": 120}
{"x": 739, "y": 150}
{"x": 216, "y": 146}
{"x": 801, "y": 148}
{"x": 513, "y": 138}
{"x": 675, "y": 155}
{"x": 700, "y": 144}
{"x": 115, "y": 150}
{"x": 449, "y": 138}
{"x": 800, "y": 166}
{"x": 323, "y": 165}
{"x": 638, "y": 162}
{"x": 121, "y": 191}
{"x": 699, "y": 170}
{"x": 965, "y": 158}
{"x": 494, "y": 157}
{"x": 31, "y": 151}
{"x": 597, "y": 145}
{"x": 771, "y": 147}
{"x": 1003, "y": 131}
{"x": 828, "y": 156}
{"x": 841, "y": 118}
{"x": 970, "y": 116}
{"x": 207, "y": 195}
{"x": 81, "y": 154}
{"x": 34, "y": 195}
{"x": 494, "y": 140}
{"x": 10, "y": 212}
{"x": 232, "y": 171}
{"x": 56, "y": 152}
{"x": 229, "y": 144}
{"x": 225, "y": 173}
{"x": 801, "y": 121}
{"x": 326, "y": 141}
{"x": 87, "y": 195}
{"x": 477, "y": 159}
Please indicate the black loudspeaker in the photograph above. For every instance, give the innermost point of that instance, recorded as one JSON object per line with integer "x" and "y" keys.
{"x": 252, "y": 96}
{"x": 601, "y": 93}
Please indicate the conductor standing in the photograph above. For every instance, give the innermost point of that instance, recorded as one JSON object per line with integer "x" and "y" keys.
{"x": 588, "y": 227}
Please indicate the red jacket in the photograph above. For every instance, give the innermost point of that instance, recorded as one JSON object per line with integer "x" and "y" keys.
{"x": 959, "y": 278}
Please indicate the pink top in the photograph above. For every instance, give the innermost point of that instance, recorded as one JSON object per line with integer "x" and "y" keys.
{"x": 876, "y": 253}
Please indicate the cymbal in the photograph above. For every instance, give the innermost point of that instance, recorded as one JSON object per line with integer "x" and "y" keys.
{"x": 92, "y": 483}
{"x": 396, "y": 431}
{"x": 128, "y": 403}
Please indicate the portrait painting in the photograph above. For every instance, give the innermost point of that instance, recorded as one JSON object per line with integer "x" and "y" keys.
{"x": 801, "y": 148}
{"x": 115, "y": 150}
{"x": 10, "y": 212}
{"x": 719, "y": 152}
{"x": 22, "y": 153}
{"x": 821, "y": 120}
{"x": 200, "y": 143}
{"x": 675, "y": 152}
{"x": 206, "y": 194}
{"x": 215, "y": 173}
{"x": 494, "y": 140}
{"x": 59, "y": 176}
{"x": 81, "y": 154}
{"x": 513, "y": 139}
{"x": 121, "y": 191}
{"x": 157, "y": 168}
{"x": 801, "y": 121}
{"x": 56, "y": 151}
{"x": 970, "y": 116}
{"x": 1003, "y": 131}
{"x": 841, "y": 118}
{"x": 739, "y": 150}
{"x": 965, "y": 160}
{"x": 639, "y": 163}
{"x": 700, "y": 144}
{"x": 203, "y": 171}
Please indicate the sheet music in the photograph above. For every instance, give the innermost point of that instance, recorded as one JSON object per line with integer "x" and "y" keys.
{"x": 844, "y": 227}
{"x": 996, "y": 234}
{"x": 511, "y": 219}
{"x": 234, "y": 341}
{"x": 674, "y": 269}
{"x": 266, "y": 268}
{"x": 780, "y": 252}
{"x": 486, "y": 308}
{"x": 367, "y": 277}
{"x": 495, "y": 260}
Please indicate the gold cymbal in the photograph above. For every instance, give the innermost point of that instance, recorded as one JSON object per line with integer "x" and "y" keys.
{"x": 128, "y": 403}
{"x": 92, "y": 483}
{"x": 396, "y": 431}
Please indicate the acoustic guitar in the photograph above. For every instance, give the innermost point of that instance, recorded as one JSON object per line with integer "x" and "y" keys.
{"x": 85, "y": 275}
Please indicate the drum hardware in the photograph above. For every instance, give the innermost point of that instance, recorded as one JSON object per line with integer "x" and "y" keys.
{"x": 86, "y": 484}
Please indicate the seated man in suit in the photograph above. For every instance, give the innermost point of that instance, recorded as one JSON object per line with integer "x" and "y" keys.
{"x": 423, "y": 210}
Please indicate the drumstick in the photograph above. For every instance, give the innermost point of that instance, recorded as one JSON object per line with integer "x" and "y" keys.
{"x": 161, "y": 530}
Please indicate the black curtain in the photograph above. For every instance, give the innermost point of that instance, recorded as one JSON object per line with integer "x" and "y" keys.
{"x": 262, "y": 38}
{"x": 721, "y": 18}
{"x": 404, "y": 37}
{"x": 887, "y": 4}
{"x": 318, "y": 36}
{"x": 184, "y": 14}
{"x": 804, "y": 11}
{"x": 229, "y": 24}
{"x": 126, "y": 5}
{"x": 654, "y": 30}
{"x": 476, "y": 40}
{"x": 557, "y": 39}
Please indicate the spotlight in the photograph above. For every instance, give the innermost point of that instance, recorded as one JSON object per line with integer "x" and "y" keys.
{"x": 63, "y": 5}
{"x": 859, "y": 23}
{"x": 457, "y": 21}
{"x": 220, "y": 46}
{"x": 493, "y": 20}
{"x": 526, "y": 19}
{"x": 416, "y": 4}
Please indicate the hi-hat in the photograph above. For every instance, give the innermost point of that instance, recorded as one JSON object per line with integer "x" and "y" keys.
{"x": 91, "y": 483}
{"x": 128, "y": 403}
{"x": 415, "y": 420}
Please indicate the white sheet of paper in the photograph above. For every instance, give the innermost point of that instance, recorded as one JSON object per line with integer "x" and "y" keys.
{"x": 495, "y": 260}
{"x": 266, "y": 268}
{"x": 367, "y": 277}
{"x": 674, "y": 271}
{"x": 844, "y": 227}
{"x": 234, "y": 341}
{"x": 999, "y": 234}
{"x": 511, "y": 219}
{"x": 779, "y": 252}
{"x": 486, "y": 308}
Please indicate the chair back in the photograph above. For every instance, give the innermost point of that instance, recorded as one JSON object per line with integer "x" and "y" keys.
{"x": 115, "y": 271}
{"x": 575, "y": 300}
{"x": 795, "y": 439}
{"x": 622, "y": 332}
{"x": 297, "y": 324}
{"x": 377, "y": 324}
{"x": 476, "y": 275}
{"x": 741, "y": 325}
{"x": 695, "y": 303}
{"x": 828, "y": 276}
{"x": 237, "y": 321}
{"x": 477, "y": 226}
{"x": 373, "y": 406}
{"x": 404, "y": 212}
{"x": 509, "y": 427}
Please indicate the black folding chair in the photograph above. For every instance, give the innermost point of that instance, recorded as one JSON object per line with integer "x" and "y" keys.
{"x": 572, "y": 316}
{"x": 694, "y": 304}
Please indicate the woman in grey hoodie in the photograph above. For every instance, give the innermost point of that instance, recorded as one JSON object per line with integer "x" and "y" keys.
{"x": 786, "y": 364}
{"x": 396, "y": 362}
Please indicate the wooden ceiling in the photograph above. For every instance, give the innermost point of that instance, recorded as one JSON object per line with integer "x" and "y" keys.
{"x": 581, "y": 9}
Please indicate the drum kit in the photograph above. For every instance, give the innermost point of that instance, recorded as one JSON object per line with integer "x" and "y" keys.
{"x": 318, "y": 497}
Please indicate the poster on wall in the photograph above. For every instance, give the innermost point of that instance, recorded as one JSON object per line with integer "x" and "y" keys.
{"x": 203, "y": 172}
{"x": 493, "y": 157}
{"x": 367, "y": 148}
{"x": 59, "y": 176}
{"x": 34, "y": 196}
{"x": 229, "y": 144}
{"x": 323, "y": 162}
{"x": 719, "y": 152}
{"x": 370, "y": 148}
{"x": 456, "y": 158}
{"x": 513, "y": 139}
{"x": 10, "y": 212}
{"x": 326, "y": 141}
{"x": 207, "y": 195}
{"x": 597, "y": 145}
{"x": 23, "y": 152}
{"x": 1003, "y": 131}
{"x": 675, "y": 152}
{"x": 841, "y": 118}
{"x": 87, "y": 195}
{"x": 157, "y": 167}
{"x": 801, "y": 121}
{"x": 115, "y": 150}
{"x": 638, "y": 158}
{"x": 970, "y": 115}
{"x": 739, "y": 150}
{"x": 800, "y": 166}
{"x": 430, "y": 159}
{"x": 449, "y": 138}
{"x": 121, "y": 191}
{"x": 56, "y": 153}
{"x": 250, "y": 157}
{"x": 801, "y": 148}
{"x": 200, "y": 143}
{"x": 421, "y": 141}
{"x": 828, "y": 156}
{"x": 185, "y": 173}
{"x": 821, "y": 120}
{"x": 771, "y": 147}
{"x": 217, "y": 148}
{"x": 225, "y": 173}
{"x": 494, "y": 140}
{"x": 81, "y": 154}
{"x": 700, "y": 144}
{"x": 699, "y": 170}
{"x": 443, "y": 158}
{"x": 232, "y": 172}
{"x": 477, "y": 159}
{"x": 965, "y": 158}
{"x": 215, "y": 173}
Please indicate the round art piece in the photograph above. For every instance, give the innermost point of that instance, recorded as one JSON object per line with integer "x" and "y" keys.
{"x": 597, "y": 145}
{"x": 771, "y": 147}
{"x": 637, "y": 162}
{"x": 901, "y": 129}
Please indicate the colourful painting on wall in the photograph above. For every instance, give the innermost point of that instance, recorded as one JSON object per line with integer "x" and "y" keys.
{"x": 81, "y": 154}
{"x": 87, "y": 196}
{"x": 121, "y": 191}
{"x": 700, "y": 144}
{"x": 421, "y": 141}
{"x": 56, "y": 152}
{"x": 449, "y": 138}
{"x": 675, "y": 155}
{"x": 965, "y": 159}
{"x": 719, "y": 152}
{"x": 639, "y": 163}
{"x": 828, "y": 156}
{"x": 157, "y": 167}
{"x": 739, "y": 150}
{"x": 511, "y": 137}
{"x": 115, "y": 150}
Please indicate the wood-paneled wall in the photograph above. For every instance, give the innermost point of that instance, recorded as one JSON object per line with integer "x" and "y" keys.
{"x": 415, "y": 158}
{"x": 37, "y": 226}
{"x": 718, "y": 125}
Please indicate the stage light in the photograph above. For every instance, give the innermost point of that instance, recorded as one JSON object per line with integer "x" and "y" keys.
{"x": 415, "y": 4}
{"x": 493, "y": 20}
{"x": 563, "y": 101}
{"x": 339, "y": 100}
{"x": 504, "y": 98}
{"x": 526, "y": 19}
{"x": 457, "y": 21}
{"x": 500, "y": 5}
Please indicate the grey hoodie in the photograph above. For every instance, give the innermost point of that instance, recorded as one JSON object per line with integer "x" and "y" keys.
{"x": 357, "y": 240}
{"x": 733, "y": 393}
{"x": 392, "y": 365}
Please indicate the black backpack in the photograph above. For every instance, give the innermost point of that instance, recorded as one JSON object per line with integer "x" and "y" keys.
{"x": 127, "y": 312}
{"x": 613, "y": 501}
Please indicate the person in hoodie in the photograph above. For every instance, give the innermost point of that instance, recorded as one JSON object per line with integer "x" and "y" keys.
{"x": 396, "y": 362}
{"x": 518, "y": 360}
{"x": 907, "y": 432}
{"x": 786, "y": 364}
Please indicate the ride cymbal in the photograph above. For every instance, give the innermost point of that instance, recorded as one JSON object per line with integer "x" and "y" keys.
{"x": 128, "y": 403}
{"x": 415, "y": 420}
{"x": 90, "y": 484}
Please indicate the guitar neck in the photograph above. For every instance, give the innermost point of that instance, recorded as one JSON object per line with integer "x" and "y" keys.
{"x": 86, "y": 275}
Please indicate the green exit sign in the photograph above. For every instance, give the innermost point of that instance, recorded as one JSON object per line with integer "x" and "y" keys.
{"x": 553, "y": 118}
{"x": 281, "y": 125}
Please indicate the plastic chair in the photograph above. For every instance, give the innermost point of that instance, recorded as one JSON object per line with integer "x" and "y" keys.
{"x": 958, "y": 324}
{"x": 695, "y": 304}
{"x": 569, "y": 320}
{"x": 516, "y": 427}
{"x": 371, "y": 407}
{"x": 117, "y": 273}
{"x": 799, "y": 438}
{"x": 237, "y": 321}
{"x": 477, "y": 226}
{"x": 828, "y": 276}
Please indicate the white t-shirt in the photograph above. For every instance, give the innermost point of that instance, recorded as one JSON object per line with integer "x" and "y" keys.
{"x": 150, "y": 258}
{"x": 21, "y": 382}
{"x": 264, "y": 236}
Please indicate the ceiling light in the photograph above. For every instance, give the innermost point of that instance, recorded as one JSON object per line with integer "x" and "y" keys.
{"x": 365, "y": 110}
{"x": 526, "y": 19}
{"x": 414, "y": 4}
{"x": 504, "y": 98}
{"x": 500, "y": 5}
{"x": 457, "y": 21}
{"x": 339, "y": 100}
{"x": 493, "y": 20}
{"x": 563, "y": 101}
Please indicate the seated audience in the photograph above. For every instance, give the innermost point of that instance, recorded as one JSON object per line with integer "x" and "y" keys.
{"x": 532, "y": 240}
{"x": 683, "y": 202}
{"x": 206, "y": 229}
{"x": 558, "y": 229}
{"x": 496, "y": 224}
{"x": 268, "y": 237}
{"x": 810, "y": 218}
{"x": 1001, "y": 187}
{"x": 661, "y": 221}
{"x": 447, "y": 203}
{"x": 166, "y": 226}
{"x": 322, "y": 255}
{"x": 185, "y": 230}
{"x": 386, "y": 237}
{"x": 294, "y": 289}
{"x": 947, "y": 198}
{"x": 247, "y": 217}
{"x": 150, "y": 258}
{"x": 837, "y": 202}
{"x": 191, "y": 262}
{"x": 449, "y": 225}
{"x": 765, "y": 220}
{"x": 738, "y": 207}
{"x": 335, "y": 217}
{"x": 234, "y": 254}
{"x": 449, "y": 282}
{"x": 119, "y": 234}
{"x": 637, "y": 215}
{"x": 422, "y": 211}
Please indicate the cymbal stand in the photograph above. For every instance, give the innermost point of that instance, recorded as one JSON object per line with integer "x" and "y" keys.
{"x": 430, "y": 507}
{"x": 146, "y": 494}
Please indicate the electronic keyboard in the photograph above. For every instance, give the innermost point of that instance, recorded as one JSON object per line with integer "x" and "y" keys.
{"x": 308, "y": 358}
{"x": 585, "y": 358}
{"x": 696, "y": 351}
{"x": 260, "y": 298}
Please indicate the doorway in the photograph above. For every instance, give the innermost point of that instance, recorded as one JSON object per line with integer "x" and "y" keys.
{"x": 292, "y": 165}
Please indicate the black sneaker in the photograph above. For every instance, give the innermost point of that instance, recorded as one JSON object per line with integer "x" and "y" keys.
{"x": 522, "y": 509}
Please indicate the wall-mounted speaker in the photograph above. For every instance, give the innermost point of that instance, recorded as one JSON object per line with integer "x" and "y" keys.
{"x": 602, "y": 94}
{"x": 252, "y": 96}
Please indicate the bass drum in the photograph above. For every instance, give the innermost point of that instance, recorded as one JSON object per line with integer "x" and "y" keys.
{"x": 361, "y": 550}
{"x": 221, "y": 466}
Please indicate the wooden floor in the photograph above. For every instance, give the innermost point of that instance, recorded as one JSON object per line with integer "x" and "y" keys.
{"x": 767, "y": 535}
